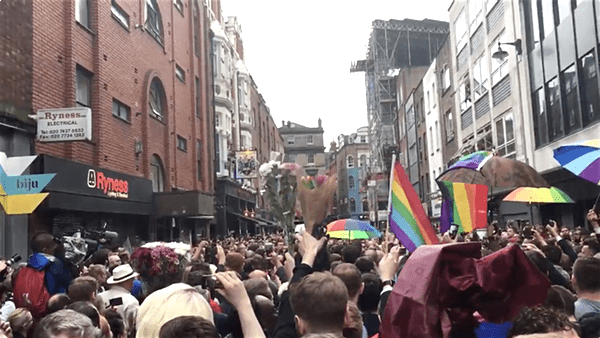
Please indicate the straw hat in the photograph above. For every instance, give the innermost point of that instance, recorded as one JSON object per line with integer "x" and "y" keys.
{"x": 122, "y": 273}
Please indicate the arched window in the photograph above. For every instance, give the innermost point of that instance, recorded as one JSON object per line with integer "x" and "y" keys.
{"x": 157, "y": 174}
{"x": 350, "y": 161}
{"x": 154, "y": 20}
{"x": 156, "y": 98}
{"x": 352, "y": 205}
{"x": 365, "y": 205}
{"x": 363, "y": 161}
{"x": 351, "y": 182}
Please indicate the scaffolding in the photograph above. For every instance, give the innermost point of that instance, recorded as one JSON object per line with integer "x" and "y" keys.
{"x": 393, "y": 45}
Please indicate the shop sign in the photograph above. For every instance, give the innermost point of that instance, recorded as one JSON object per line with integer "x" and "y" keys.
{"x": 246, "y": 164}
{"x": 20, "y": 194}
{"x": 67, "y": 124}
{"x": 382, "y": 215}
{"x": 436, "y": 207}
{"x": 111, "y": 187}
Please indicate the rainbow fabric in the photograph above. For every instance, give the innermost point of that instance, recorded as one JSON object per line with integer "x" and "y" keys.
{"x": 464, "y": 205}
{"x": 407, "y": 217}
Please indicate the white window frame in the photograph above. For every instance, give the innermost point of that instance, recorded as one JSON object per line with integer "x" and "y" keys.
{"x": 448, "y": 119}
{"x": 179, "y": 73}
{"x": 350, "y": 161}
{"x": 310, "y": 139}
{"x": 480, "y": 77}
{"x": 82, "y": 13}
{"x": 291, "y": 140}
{"x": 119, "y": 14}
{"x": 502, "y": 148}
{"x": 311, "y": 158}
{"x": 498, "y": 69}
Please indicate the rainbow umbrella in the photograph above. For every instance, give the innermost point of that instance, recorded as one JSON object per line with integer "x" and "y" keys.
{"x": 473, "y": 161}
{"x": 538, "y": 195}
{"x": 582, "y": 159}
{"x": 351, "y": 229}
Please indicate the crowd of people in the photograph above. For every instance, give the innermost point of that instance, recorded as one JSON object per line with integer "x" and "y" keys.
{"x": 319, "y": 287}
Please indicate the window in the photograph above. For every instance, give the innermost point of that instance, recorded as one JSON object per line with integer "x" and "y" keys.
{"x": 434, "y": 95}
{"x": 499, "y": 67}
{"x": 540, "y": 117}
{"x": 564, "y": 9}
{"x": 363, "y": 139}
{"x": 362, "y": 161}
{"x": 180, "y": 73}
{"x": 427, "y": 184}
{"x": 199, "y": 160}
{"x": 156, "y": 98}
{"x": 480, "y": 76}
{"x": 217, "y": 119}
{"x": 309, "y": 139}
{"x": 157, "y": 174}
{"x": 571, "y": 102}
{"x": 120, "y": 110}
{"x": 425, "y": 145}
{"x": 352, "y": 205}
{"x": 291, "y": 140}
{"x": 351, "y": 183}
{"x": 420, "y": 149}
{"x": 460, "y": 31}
{"x": 431, "y": 140}
{"x": 555, "y": 121}
{"x": 181, "y": 143}
{"x": 154, "y": 20}
{"x": 198, "y": 94}
{"x": 547, "y": 17}
{"x": 311, "y": 158}
{"x": 179, "y": 5}
{"x": 350, "y": 161}
{"x": 292, "y": 158}
{"x": 410, "y": 117}
{"x": 505, "y": 135}
{"x": 464, "y": 94}
{"x": 428, "y": 108}
{"x": 475, "y": 14}
{"x": 449, "y": 126}
{"x": 196, "y": 22}
{"x": 590, "y": 100}
{"x": 365, "y": 205}
{"x": 119, "y": 14}
{"x": 533, "y": 33}
{"x": 436, "y": 143}
{"x": 82, "y": 12}
{"x": 446, "y": 77}
{"x": 83, "y": 87}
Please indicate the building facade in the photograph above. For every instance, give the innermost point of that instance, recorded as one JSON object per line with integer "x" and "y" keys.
{"x": 353, "y": 160}
{"x": 304, "y": 145}
{"x": 560, "y": 47}
{"x": 150, "y": 101}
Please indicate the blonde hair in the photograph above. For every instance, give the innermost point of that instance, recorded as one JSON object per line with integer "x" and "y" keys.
{"x": 18, "y": 319}
{"x": 171, "y": 302}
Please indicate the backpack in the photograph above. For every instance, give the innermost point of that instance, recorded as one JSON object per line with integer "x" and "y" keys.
{"x": 30, "y": 291}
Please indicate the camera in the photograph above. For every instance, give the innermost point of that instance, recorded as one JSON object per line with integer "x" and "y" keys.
{"x": 14, "y": 259}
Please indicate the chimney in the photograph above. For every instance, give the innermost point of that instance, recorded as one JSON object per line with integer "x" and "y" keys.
{"x": 289, "y": 124}
{"x": 319, "y": 122}
{"x": 282, "y": 123}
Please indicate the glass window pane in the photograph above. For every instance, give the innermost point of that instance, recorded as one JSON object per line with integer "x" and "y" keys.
{"x": 508, "y": 126}
{"x": 564, "y": 9}
{"x": 555, "y": 118}
{"x": 573, "y": 116}
{"x": 532, "y": 16}
{"x": 590, "y": 100}
{"x": 547, "y": 16}
{"x": 500, "y": 132}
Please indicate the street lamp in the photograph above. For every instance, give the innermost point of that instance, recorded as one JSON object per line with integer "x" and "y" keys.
{"x": 502, "y": 55}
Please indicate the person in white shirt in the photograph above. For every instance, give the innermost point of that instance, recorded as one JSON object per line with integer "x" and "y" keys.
{"x": 121, "y": 284}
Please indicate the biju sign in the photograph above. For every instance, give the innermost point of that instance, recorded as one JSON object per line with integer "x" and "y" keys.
{"x": 67, "y": 124}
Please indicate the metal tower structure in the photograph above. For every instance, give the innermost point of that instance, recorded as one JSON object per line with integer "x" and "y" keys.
{"x": 393, "y": 45}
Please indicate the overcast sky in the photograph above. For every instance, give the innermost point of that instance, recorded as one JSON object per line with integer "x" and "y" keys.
{"x": 299, "y": 54}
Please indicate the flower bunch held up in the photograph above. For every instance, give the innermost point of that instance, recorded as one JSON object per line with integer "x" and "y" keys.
{"x": 280, "y": 186}
{"x": 316, "y": 196}
{"x": 159, "y": 265}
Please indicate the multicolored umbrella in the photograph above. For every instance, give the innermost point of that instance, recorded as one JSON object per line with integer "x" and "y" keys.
{"x": 493, "y": 171}
{"x": 351, "y": 229}
{"x": 538, "y": 196}
{"x": 582, "y": 159}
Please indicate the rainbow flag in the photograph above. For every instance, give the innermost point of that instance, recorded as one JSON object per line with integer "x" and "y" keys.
{"x": 408, "y": 220}
{"x": 464, "y": 205}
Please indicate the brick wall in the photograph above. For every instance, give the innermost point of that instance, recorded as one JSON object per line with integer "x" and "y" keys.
{"x": 123, "y": 62}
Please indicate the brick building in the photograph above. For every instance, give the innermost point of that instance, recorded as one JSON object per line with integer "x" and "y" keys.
{"x": 151, "y": 102}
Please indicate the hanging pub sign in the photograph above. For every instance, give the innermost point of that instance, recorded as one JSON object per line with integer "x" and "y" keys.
{"x": 65, "y": 124}
{"x": 246, "y": 164}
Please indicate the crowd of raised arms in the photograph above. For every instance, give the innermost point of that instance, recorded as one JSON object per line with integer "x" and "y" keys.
{"x": 257, "y": 286}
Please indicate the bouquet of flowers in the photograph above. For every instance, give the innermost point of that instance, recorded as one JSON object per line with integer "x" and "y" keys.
{"x": 160, "y": 264}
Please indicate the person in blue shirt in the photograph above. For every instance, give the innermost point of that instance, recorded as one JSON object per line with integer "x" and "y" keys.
{"x": 58, "y": 273}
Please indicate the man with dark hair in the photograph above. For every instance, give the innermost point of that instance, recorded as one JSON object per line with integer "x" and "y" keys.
{"x": 350, "y": 275}
{"x": 554, "y": 255}
{"x": 117, "y": 325}
{"x": 586, "y": 281}
{"x": 319, "y": 302}
{"x": 350, "y": 253}
{"x": 188, "y": 327}
{"x": 365, "y": 264}
{"x": 590, "y": 247}
{"x": 541, "y": 320}
{"x": 368, "y": 301}
{"x": 57, "y": 302}
{"x": 87, "y": 309}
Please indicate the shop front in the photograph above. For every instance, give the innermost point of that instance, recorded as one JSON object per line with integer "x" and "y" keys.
{"x": 89, "y": 198}
{"x": 182, "y": 215}
{"x": 236, "y": 210}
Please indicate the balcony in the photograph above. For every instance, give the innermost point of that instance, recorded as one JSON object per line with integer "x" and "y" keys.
{"x": 246, "y": 121}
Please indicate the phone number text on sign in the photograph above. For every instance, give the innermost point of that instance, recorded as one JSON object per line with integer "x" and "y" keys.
{"x": 69, "y": 124}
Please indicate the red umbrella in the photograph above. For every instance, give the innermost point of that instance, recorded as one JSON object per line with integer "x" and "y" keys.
{"x": 441, "y": 286}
